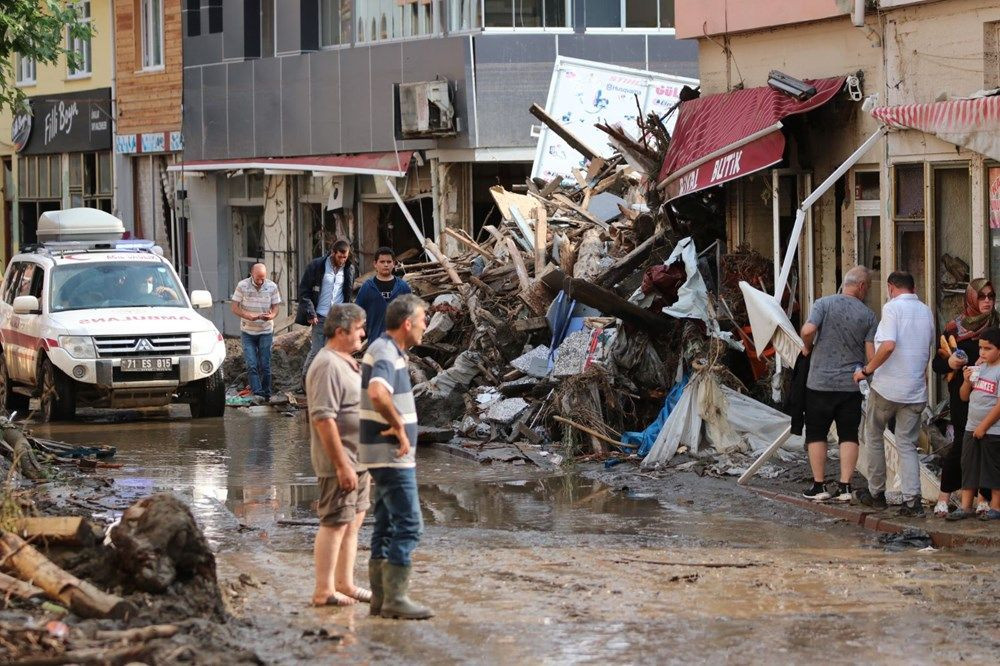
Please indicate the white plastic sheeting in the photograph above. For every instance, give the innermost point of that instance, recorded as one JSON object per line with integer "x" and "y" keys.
{"x": 770, "y": 324}
{"x": 733, "y": 422}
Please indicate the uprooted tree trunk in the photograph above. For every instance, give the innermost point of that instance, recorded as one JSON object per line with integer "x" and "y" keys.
{"x": 84, "y": 599}
{"x": 159, "y": 543}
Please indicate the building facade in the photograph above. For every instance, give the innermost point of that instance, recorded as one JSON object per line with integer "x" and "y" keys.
{"x": 293, "y": 121}
{"x": 147, "y": 138}
{"x": 59, "y": 155}
{"x": 914, "y": 201}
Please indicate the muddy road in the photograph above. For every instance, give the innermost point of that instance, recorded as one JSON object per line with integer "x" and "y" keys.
{"x": 527, "y": 568}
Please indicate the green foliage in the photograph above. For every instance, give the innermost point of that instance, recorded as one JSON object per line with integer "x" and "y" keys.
{"x": 35, "y": 29}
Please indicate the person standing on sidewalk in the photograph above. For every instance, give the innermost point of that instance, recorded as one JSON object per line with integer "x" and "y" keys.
{"x": 838, "y": 339}
{"x": 327, "y": 280}
{"x": 387, "y": 450}
{"x": 904, "y": 343}
{"x": 980, "y": 315}
{"x": 333, "y": 387}
{"x": 378, "y": 291}
{"x": 255, "y": 302}
{"x": 981, "y": 446}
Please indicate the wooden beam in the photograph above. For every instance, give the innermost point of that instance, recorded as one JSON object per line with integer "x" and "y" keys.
{"x": 531, "y": 324}
{"x": 567, "y": 136}
{"x": 468, "y": 242}
{"x": 607, "y": 302}
{"x": 522, "y": 271}
{"x": 629, "y": 262}
{"x": 63, "y": 530}
{"x": 541, "y": 240}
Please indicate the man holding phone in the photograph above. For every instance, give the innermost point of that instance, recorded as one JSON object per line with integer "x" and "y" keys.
{"x": 255, "y": 302}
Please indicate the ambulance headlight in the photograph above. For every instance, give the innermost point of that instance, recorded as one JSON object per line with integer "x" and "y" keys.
{"x": 78, "y": 346}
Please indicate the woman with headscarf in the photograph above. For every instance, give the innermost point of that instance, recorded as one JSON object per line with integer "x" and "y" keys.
{"x": 979, "y": 314}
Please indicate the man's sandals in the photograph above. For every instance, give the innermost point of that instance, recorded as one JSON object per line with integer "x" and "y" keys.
{"x": 342, "y": 600}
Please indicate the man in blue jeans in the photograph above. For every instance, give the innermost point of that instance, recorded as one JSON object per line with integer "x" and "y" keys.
{"x": 388, "y": 441}
{"x": 255, "y": 302}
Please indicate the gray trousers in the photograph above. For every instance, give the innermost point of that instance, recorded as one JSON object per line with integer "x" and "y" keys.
{"x": 316, "y": 342}
{"x": 907, "y": 415}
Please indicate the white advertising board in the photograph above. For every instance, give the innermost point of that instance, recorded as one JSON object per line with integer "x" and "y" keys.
{"x": 583, "y": 93}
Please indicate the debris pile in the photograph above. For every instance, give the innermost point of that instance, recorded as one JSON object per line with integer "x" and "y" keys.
{"x": 566, "y": 323}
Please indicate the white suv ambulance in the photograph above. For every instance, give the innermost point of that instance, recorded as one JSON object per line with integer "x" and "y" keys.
{"x": 89, "y": 319}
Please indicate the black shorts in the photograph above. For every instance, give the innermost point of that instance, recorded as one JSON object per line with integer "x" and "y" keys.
{"x": 981, "y": 461}
{"x": 826, "y": 407}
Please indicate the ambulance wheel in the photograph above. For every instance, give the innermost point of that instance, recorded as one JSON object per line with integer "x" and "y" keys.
{"x": 209, "y": 399}
{"x": 58, "y": 395}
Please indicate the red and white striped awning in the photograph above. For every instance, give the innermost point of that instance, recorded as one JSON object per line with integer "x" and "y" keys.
{"x": 970, "y": 123}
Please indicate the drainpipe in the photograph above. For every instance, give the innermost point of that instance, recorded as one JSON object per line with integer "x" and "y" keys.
{"x": 858, "y": 13}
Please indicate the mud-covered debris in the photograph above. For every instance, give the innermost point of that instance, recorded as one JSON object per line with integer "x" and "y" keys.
{"x": 911, "y": 537}
{"x": 506, "y": 411}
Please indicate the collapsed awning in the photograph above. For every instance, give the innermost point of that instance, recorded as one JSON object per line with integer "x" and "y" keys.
{"x": 371, "y": 164}
{"x": 970, "y": 123}
{"x": 722, "y": 137}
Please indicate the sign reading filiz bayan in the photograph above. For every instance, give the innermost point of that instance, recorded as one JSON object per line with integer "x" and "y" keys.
{"x": 64, "y": 123}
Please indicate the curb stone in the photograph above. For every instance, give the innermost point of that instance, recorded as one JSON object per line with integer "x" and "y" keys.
{"x": 872, "y": 520}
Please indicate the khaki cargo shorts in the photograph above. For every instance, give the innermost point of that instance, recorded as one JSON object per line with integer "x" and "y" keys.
{"x": 336, "y": 507}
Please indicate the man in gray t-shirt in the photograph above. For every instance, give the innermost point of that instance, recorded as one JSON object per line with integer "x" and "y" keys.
{"x": 839, "y": 337}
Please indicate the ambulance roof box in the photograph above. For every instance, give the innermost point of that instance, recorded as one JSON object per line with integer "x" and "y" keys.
{"x": 79, "y": 224}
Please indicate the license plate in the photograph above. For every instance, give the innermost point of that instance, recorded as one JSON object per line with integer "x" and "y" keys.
{"x": 146, "y": 365}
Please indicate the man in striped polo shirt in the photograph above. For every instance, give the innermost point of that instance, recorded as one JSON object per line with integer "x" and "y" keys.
{"x": 255, "y": 302}
{"x": 387, "y": 446}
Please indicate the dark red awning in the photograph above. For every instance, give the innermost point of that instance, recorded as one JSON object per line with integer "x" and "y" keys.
{"x": 722, "y": 137}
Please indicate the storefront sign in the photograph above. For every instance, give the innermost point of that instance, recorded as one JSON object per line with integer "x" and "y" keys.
{"x": 994, "y": 197}
{"x": 20, "y": 131}
{"x": 154, "y": 142}
{"x": 744, "y": 160}
{"x": 70, "y": 122}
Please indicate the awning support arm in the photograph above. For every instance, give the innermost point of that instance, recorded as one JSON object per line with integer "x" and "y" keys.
{"x": 800, "y": 214}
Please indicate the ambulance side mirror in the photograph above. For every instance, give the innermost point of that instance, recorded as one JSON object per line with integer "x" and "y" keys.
{"x": 27, "y": 305}
{"x": 201, "y": 299}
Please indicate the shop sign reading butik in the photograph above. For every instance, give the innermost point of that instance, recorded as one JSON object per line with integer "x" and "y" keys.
{"x": 69, "y": 122}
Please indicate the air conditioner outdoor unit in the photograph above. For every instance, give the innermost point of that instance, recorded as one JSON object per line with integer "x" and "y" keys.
{"x": 426, "y": 109}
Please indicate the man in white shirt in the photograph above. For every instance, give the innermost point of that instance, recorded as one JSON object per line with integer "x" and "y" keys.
{"x": 904, "y": 343}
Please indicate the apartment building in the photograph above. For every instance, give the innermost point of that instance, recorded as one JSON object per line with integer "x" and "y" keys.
{"x": 297, "y": 111}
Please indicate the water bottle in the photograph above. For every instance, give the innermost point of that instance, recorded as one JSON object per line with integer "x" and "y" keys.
{"x": 863, "y": 384}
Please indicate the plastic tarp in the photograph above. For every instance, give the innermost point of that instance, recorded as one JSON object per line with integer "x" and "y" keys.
{"x": 647, "y": 437}
{"x": 692, "y": 297}
{"x": 770, "y": 324}
{"x": 733, "y": 422}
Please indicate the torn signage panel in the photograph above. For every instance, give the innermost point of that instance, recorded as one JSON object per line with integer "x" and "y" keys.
{"x": 970, "y": 123}
{"x": 722, "y": 137}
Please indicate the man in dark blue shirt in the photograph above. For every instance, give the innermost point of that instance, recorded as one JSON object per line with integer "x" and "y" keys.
{"x": 380, "y": 290}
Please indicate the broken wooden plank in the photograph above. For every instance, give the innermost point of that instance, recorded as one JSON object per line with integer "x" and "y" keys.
{"x": 62, "y": 530}
{"x": 19, "y": 588}
{"x": 468, "y": 242}
{"x": 562, "y": 199}
{"x": 563, "y": 133}
{"x": 522, "y": 271}
{"x": 607, "y": 302}
{"x": 80, "y": 596}
{"x": 527, "y": 237}
{"x": 541, "y": 239}
{"x": 594, "y": 433}
{"x": 531, "y": 324}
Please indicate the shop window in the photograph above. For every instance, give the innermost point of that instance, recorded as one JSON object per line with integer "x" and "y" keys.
{"x": 90, "y": 180}
{"x": 192, "y": 12}
{"x": 953, "y": 235}
{"x": 248, "y": 231}
{"x": 25, "y": 71}
{"x": 151, "y": 15}
{"x": 79, "y": 45}
{"x": 267, "y": 27}
{"x": 395, "y": 19}
{"x": 908, "y": 214}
